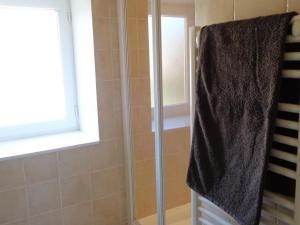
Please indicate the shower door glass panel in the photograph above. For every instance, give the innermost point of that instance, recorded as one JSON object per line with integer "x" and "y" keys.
{"x": 176, "y": 17}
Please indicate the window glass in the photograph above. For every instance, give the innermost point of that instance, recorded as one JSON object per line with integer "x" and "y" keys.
{"x": 31, "y": 73}
{"x": 173, "y": 35}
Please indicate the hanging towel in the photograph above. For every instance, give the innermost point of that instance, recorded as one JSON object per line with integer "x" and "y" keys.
{"x": 236, "y": 98}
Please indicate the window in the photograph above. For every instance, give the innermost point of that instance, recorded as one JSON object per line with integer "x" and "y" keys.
{"x": 35, "y": 76}
{"x": 39, "y": 95}
{"x": 174, "y": 67}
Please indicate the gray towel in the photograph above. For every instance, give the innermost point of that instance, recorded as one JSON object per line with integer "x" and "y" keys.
{"x": 237, "y": 93}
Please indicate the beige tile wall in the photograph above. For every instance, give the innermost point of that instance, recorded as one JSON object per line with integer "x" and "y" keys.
{"x": 83, "y": 186}
{"x": 216, "y": 11}
{"x": 143, "y": 140}
{"x": 176, "y": 141}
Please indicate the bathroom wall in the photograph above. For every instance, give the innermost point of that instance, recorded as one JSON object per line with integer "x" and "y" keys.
{"x": 83, "y": 186}
{"x": 176, "y": 141}
{"x": 142, "y": 136}
{"x": 215, "y": 11}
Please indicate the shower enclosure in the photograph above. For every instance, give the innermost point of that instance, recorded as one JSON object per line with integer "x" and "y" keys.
{"x": 155, "y": 92}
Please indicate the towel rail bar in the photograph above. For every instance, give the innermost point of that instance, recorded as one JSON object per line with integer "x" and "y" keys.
{"x": 287, "y": 124}
{"x": 265, "y": 223}
{"x": 280, "y": 200}
{"x": 292, "y": 39}
{"x": 279, "y": 215}
{"x": 286, "y": 107}
{"x": 285, "y": 140}
{"x": 291, "y": 74}
{"x": 284, "y": 155}
{"x": 282, "y": 171}
{"x": 213, "y": 216}
{"x": 267, "y": 220}
{"x": 292, "y": 56}
{"x": 205, "y": 222}
{"x": 208, "y": 205}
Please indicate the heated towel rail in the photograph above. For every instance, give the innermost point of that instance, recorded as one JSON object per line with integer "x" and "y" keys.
{"x": 277, "y": 208}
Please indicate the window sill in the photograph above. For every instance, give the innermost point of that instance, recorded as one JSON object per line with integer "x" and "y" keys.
{"x": 37, "y": 145}
{"x": 174, "y": 122}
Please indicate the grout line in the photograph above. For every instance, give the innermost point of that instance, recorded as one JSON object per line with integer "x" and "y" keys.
{"x": 91, "y": 199}
{"x": 59, "y": 188}
{"x": 234, "y": 11}
{"x": 26, "y": 190}
{"x": 90, "y": 165}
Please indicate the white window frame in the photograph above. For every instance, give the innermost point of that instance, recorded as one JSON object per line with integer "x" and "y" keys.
{"x": 78, "y": 60}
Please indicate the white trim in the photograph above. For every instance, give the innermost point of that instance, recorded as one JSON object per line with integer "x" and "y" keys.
{"x": 126, "y": 106}
{"x": 174, "y": 117}
{"x": 171, "y": 111}
{"x": 192, "y": 67}
{"x": 19, "y": 148}
{"x": 83, "y": 40}
{"x": 176, "y": 110}
{"x": 54, "y": 4}
{"x": 158, "y": 111}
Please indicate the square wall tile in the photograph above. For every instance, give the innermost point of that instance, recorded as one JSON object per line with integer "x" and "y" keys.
{"x": 143, "y": 67}
{"x": 133, "y": 62}
{"x": 245, "y": 9}
{"x": 102, "y": 33}
{"x": 132, "y": 34}
{"x": 110, "y": 95}
{"x": 73, "y": 162}
{"x": 144, "y": 173}
{"x": 107, "y": 154}
{"x": 78, "y": 215}
{"x": 12, "y": 205}
{"x": 142, "y": 9}
{"x": 101, "y": 8}
{"x": 140, "y": 91}
{"x": 110, "y": 123}
{"x": 107, "y": 211}
{"x": 132, "y": 8}
{"x": 141, "y": 119}
{"x": 103, "y": 60}
{"x": 51, "y": 218}
{"x": 115, "y": 33}
{"x": 116, "y": 64}
{"x": 43, "y": 197}
{"x": 107, "y": 182}
{"x": 113, "y": 8}
{"x": 41, "y": 168}
{"x": 11, "y": 174}
{"x": 216, "y": 11}
{"x": 75, "y": 190}
{"x": 142, "y": 27}
{"x": 294, "y": 5}
{"x": 143, "y": 147}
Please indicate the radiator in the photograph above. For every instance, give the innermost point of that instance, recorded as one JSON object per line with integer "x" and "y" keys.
{"x": 277, "y": 208}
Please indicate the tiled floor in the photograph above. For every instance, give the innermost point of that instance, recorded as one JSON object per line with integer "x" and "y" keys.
{"x": 177, "y": 216}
